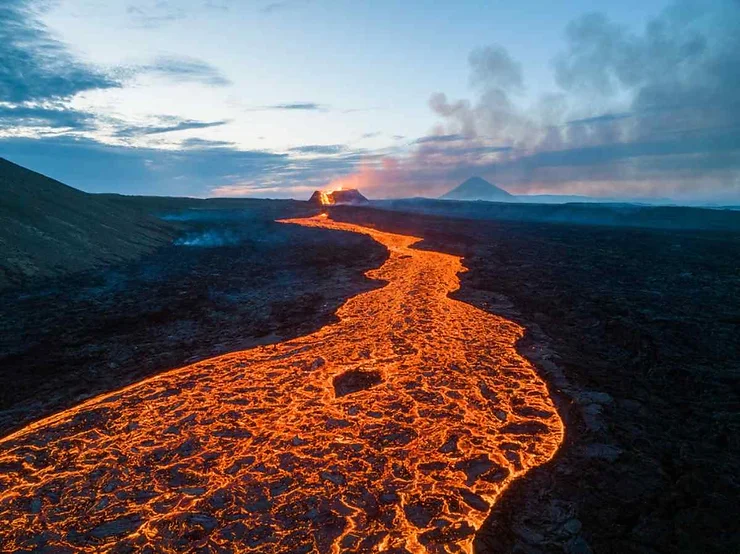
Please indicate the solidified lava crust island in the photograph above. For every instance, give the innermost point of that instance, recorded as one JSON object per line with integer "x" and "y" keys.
{"x": 392, "y": 430}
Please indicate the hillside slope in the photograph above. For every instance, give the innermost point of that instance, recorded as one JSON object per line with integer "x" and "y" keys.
{"x": 48, "y": 228}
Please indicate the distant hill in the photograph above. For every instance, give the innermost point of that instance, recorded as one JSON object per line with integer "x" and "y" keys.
{"x": 477, "y": 188}
{"x": 48, "y": 228}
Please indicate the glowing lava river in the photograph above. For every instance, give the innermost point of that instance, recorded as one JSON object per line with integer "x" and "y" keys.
{"x": 391, "y": 430}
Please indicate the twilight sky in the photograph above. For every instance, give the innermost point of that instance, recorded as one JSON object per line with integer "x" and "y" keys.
{"x": 276, "y": 99}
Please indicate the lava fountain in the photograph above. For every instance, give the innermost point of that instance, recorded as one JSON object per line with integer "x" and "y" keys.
{"x": 393, "y": 430}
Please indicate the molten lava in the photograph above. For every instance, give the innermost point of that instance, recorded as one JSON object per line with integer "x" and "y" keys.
{"x": 325, "y": 198}
{"x": 393, "y": 430}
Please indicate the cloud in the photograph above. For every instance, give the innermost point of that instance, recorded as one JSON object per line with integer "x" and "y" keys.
{"x": 155, "y": 13}
{"x": 55, "y": 116}
{"x": 35, "y": 66}
{"x": 184, "y": 69}
{"x": 299, "y": 176}
{"x": 439, "y": 138}
{"x": 604, "y": 118}
{"x": 297, "y": 106}
{"x": 318, "y": 149}
{"x": 176, "y": 125}
{"x": 199, "y": 143}
{"x": 274, "y": 7}
{"x": 197, "y": 168}
{"x": 98, "y": 167}
{"x": 221, "y": 6}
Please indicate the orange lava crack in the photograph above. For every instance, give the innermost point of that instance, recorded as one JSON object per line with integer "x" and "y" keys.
{"x": 392, "y": 430}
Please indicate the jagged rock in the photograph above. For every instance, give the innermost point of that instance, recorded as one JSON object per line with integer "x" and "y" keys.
{"x": 578, "y": 546}
{"x": 120, "y": 526}
{"x": 606, "y": 452}
{"x": 354, "y": 381}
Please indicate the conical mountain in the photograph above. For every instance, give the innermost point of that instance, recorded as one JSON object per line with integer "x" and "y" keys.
{"x": 477, "y": 188}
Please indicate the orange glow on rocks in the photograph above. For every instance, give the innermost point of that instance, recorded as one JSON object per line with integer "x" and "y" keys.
{"x": 393, "y": 430}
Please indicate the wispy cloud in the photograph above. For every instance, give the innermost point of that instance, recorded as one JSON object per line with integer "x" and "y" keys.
{"x": 604, "y": 118}
{"x": 55, "y": 116}
{"x": 274, "y": 7}
{"x": 154, "y": 13}
{"x": 37, "y": 67}
{"x": 440, "y": 138}
{"x": 185, "y": 69}
{"x": 295, "y": 106}
{"x": 175, "y": 125}
{"x": 198, "y": 143}
{"x": 319, "y": 149}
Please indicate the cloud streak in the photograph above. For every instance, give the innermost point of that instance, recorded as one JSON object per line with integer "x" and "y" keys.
{"x": 177, "y": 125}
{"x": 295, "y": 106}
{"x": 53, "y": 117}
{"x": 326, "y": 149}
{"x": 274, "y": 7}
{"x": 154, "y": 14}
{"x": 184, "y": 69}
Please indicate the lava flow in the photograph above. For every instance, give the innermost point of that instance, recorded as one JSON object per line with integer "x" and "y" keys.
{"x": 392, "y": 430}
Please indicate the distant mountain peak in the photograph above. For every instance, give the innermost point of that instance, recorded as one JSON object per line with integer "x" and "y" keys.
{"x": 477, "y": 188}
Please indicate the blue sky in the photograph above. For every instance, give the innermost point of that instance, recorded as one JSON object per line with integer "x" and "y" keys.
{"x": 275, "y": 99}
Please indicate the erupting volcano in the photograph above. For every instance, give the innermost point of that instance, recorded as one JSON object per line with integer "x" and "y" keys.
{"x": 341, "y": 196}
{"x": 392, "y": 430}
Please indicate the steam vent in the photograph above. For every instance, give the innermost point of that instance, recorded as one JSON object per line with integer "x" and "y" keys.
{"x": 342, "y": 196}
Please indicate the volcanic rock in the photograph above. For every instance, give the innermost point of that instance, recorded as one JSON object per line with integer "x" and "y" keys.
{"x": 354, "y": 381}
{"x": 343, "y": 196}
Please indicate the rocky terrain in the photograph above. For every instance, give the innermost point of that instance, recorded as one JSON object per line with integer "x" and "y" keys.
{"x": 232, "y": 279}
{"x": 392, "y": 430}
{"x": 636, "y": 331}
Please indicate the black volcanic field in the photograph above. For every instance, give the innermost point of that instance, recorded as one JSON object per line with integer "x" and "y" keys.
{"x": 633, "y": 318}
